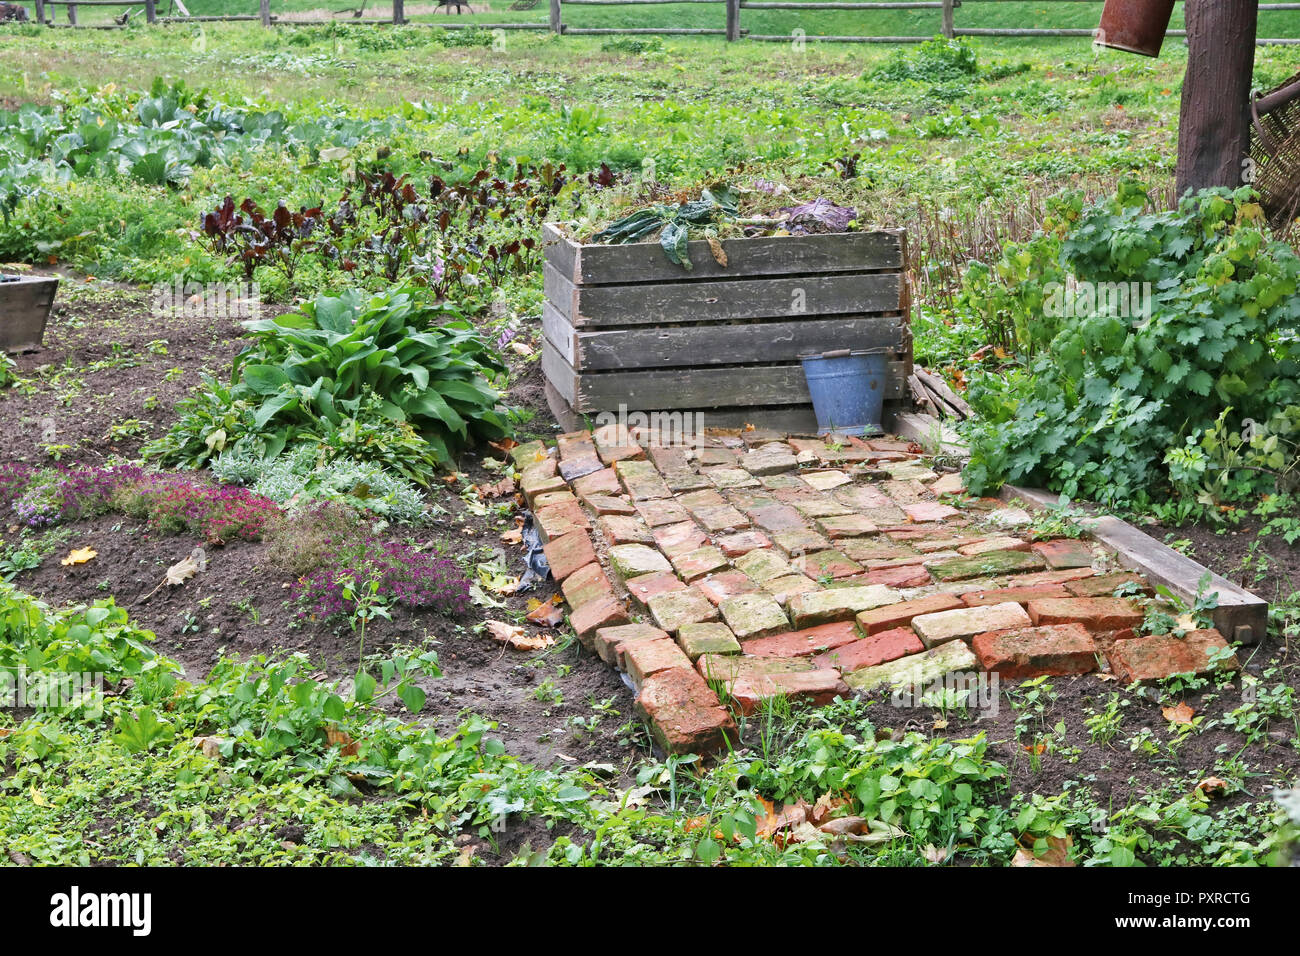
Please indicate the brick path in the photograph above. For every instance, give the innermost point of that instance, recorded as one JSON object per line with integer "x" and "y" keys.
{"x": 761, "y": 565}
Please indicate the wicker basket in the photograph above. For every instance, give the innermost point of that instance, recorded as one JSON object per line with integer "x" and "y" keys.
{"x": 1275, "y": 152}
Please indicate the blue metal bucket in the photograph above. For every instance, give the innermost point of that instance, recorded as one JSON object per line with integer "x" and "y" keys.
{"x": 848, "y": 390}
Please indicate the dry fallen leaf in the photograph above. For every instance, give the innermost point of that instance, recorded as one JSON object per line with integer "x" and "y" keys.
{"x": 1036, "y": 749}
{"x": 1182, "y": 714}
{"x": 514, "y": 636}
{"x": 1213, "y": 786}
{"x": 513, "y": 536}
{"x": 79, "y": 556}
{"x": 934, "y": 854}
{"x": 182, "y": 571}
{"x": 1057, "y": 854}
{"x": 341, "y": 739}
{"x": 826, "y": 804}
{"x": 545, "y": 614}
{"x": 521, "y": 348}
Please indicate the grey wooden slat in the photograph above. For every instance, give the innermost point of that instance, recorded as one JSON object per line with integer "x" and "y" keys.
{"x": 728, "y": 344}
{"x": 800, "y": 297}
{"x": 559, "y": 373}
{"x": 595, "y": 264}
{"x": 24, "y": 308}
{"x": 557, "y": 330}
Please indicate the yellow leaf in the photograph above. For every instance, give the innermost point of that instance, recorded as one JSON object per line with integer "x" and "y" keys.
{"x": 79, "y": 556}
{"x": 1182, "y": 714}
{"x": 38, "y": 798}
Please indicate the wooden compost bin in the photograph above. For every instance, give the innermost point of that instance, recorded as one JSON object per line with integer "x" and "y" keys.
{"x": 24, "y": 309}
{"x": 623, "y": 326}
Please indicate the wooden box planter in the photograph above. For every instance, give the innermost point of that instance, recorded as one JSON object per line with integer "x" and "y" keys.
{"x": 24, "y": 308}
{"x": 623, "y": 326}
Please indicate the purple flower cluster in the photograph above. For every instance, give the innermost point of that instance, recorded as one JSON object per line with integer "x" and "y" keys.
{"x": 48, "y": 496}
{"x": 406, "y": 575}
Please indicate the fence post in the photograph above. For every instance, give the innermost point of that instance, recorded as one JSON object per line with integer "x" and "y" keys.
{"x": 399, "y": 13}
{"x": 150, "y": 11}
{"x": 72, "y": 14}
{"x": 40, "y": 12}
{"x": 733, "y": 20}
{"x": 265, "y": 10}
{"x": 948, "y": 27}
{"x": 556, "y": 25}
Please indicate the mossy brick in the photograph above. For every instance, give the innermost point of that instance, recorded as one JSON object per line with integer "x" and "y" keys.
{"x": 866, "y": 550}
{"x": 707, "y": 637}
{"x": 827, "y": 564}
{"x": 718, "y": 587}
{"x": 1022, "y": 595}
{"x": 609, "y": 505}
{"x": 585, "y": 585}
{"x": 603, "y": 482}
{"x": 603, "y": 612}
{"x": 568, "y": 553}
{"x": 572, "y": 469}
{"x": 718, "y": 457}
{"x": 900, "y": 615}
{"x": 707, "y": 498}
{"x": 786, "y": 586}
{"x": 761, "y": 566}
{"x": 679, "y": 538}
{"x": 730, "y": 478}
{"x": 862, "y": 498}
{"x": 537, "y": 485}
{"x": 691, "y": 565}
{"x": 818, "y": 506}
{"x": 985, "y": 565}
{"x": 778, "y": 517}
{"x": 643, "y": 658}
{"x": 729, "y": 667}
{"x": 1105, "y": 585}
{"x": 797, "y": 541}
{"x": 826, "y": 480}
{"x": 642, "y": 589}
{"x": 684, "y": 714}
{"x": 1164, "y": 655}
{"x": 873, "y": 564}
{"x": 577, "y": 444}
{"x": 641, "y": 480}
{"x": 804, "y": 643}
{"x": 720, "y": 518}
{"x": 914, "y": 669}
{"x": 634, "y": 560}
{"x": 657, "y": 512}
{"x": 1049, "y": 577}
{"x": 950, "y": 484}
{"x": 899, "y": 576}
{"x": 846, "y": 526}
{"x": 614, "y": 444}
{"x": 763, "y": 462}
{"x": 1066, "y": 553}
{"x": 913, "y": 470}
{"x": 966, "y": 622}
{"x": 668, "y": 457}
{"x": 929, "y": 511}
{"x": 1020, "y": 653}
{"x": 816, "y": 688}
{"x": 987, "y": 545}
{"x": 557, "y": 520}
{"x": 756, "y": 614}
{"x": 528, "y": 454}
{"x": 734, "y": 545}
{"x": 1096, "y": 614}
{"x": 879, "y": 648}
{"x": 786, "y": 482}
{"x": 608, "y": 642}
{"x": 624, "y": 529}
{"x": 838, "y": 604}
{"x": 672, "y": 609}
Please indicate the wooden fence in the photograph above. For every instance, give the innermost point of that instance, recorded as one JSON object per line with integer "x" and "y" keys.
{"x": 945, "y": 19}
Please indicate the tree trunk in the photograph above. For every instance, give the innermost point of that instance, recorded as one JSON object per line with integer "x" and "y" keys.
{"x": 1214, "y": 133}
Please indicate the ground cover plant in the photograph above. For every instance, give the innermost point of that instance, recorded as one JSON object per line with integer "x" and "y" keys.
{"x": 284, "y": 704}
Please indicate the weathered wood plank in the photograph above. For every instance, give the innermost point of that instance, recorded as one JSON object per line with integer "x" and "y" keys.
{"x": 728, "y": 344}
{"x": 696, "y": 387}
{"x": 24, "y": 309}
{"x": 594, "y": 264}
{"x": 802, "y": 297}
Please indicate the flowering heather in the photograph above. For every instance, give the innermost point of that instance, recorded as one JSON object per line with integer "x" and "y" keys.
{"x": 406, "y": 575}
{"x": 53, "y": 495}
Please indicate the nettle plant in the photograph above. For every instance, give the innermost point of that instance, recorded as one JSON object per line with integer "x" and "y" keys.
{"x": 1106, "y": 397}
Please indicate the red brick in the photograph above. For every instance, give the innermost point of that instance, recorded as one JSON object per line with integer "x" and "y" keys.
{"x": 572, "y": 469}
{"x": 907, "y": 576}
{"x": 555, "y": 521}
{"x": 1056, "y": 649}
{"x": 900, "y": 615}
{"x": 609, "y": 505}
{"x": 1049, "y": 577}
{"x": 569, "y": 553}
{"x": 879, "y": 648}
{"x": 609, "y": 642}
{"x": 643, "y": 588}
{"x": 925, "y": 511}
{"x": 679, "y": 538}
{"x": 614, "y": 444}
{"x": 1065, "y": 553}
{"x": 662, "y": 511}
{"x": 811, "y": 640}
{"x": 643, "y": 658}
{"x": 585, "y": 585}
{"x": 718, "y": 587}
{"x": 826, "y": 564}
{"x": 574, "y": 445}
{"x": 734, "y": 545}
{"x": 1164, "y": 655}
{"x": 624, "y": 529}
{"x": 773, "y": 518}
{"x": 1096, "y": 614}
{"x": 604, "y": 612}
{"x": 817, "y": 687}
{"x": 603, "y": 482}
{"x": 1019, "y": 595}
{"x": 685, "y": 715}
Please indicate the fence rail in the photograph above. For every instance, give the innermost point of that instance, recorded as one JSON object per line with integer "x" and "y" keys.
{"x": 733, "y": 29}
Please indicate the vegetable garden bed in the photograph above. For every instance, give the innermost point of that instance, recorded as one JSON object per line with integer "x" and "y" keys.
{"x": 626, "y": 328}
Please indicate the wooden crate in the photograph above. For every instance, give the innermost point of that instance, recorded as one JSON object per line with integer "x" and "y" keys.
{"x": 24, "y": 308}
{"x": 623, "y": 326}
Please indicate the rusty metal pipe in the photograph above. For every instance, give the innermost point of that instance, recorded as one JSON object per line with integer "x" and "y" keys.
{"x": 1135, "y": 26}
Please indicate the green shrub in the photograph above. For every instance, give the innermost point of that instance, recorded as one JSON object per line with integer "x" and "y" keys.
{"x": 1105, "y": 393}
